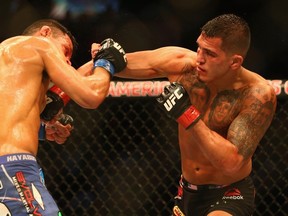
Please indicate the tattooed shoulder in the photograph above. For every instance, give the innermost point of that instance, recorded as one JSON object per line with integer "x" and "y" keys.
{"x": 188, "y": 77}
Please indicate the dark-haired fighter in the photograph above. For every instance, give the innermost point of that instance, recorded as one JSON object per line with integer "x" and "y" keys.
{"x": 27, "y": 65}
{"x": 216, "y": 102}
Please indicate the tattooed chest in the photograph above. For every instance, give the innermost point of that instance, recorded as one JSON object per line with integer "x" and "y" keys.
{"x": 218, "y": 111}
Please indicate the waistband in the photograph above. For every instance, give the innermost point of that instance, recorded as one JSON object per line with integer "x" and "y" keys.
{"x": 186, "y": 184}
{"x": 16, "y": 158}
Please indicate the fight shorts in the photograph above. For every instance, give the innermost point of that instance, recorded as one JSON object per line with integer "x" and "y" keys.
{"x": 22, "y": 188}
{"x": 199, "y": 200}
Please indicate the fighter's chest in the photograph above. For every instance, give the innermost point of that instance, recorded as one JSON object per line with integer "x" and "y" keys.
{"x": 218, "y": 109}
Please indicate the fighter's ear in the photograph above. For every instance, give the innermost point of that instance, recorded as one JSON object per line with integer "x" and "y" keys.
{"x": 237, "y": 61}
{"x": 45, "y": 31}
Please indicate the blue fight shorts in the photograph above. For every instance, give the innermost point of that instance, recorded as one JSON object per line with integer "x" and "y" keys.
{"x": 22, "y": 188}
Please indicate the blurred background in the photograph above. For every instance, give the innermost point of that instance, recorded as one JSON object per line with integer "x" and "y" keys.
{"x": 148, "y": 24}
{"x": 123, "y": 158}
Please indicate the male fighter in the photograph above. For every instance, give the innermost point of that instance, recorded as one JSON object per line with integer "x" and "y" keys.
{"x": 216, "y": 102}
{"x": 28, "y": 63}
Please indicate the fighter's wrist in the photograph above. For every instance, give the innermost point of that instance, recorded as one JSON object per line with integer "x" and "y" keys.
{"x": 107, "y": 65}
{"x": 189, "y": 117}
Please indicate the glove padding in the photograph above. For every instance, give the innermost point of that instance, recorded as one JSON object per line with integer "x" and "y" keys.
{"x": 175, "y": 101}
{"x": 55, "y": 101}
{"x": 110, "y": 52}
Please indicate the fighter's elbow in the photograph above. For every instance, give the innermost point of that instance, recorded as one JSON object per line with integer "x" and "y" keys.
{"x": 233, "y": 165}
{"x": 90, "y": 105}
{"x": 92, "y": 102}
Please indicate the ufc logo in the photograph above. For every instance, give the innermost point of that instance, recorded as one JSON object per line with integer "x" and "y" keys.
{"x": 171, "y": 101}
{"x": 119, "y": 48}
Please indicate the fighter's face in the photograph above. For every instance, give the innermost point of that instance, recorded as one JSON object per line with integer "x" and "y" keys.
{"x": 212, "y": 61}
{"x": 65, "y": 45}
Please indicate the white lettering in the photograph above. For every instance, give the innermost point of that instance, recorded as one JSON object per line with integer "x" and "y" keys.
{"x": 168, "y": 106}
{"x": 277, "y": 85}
{"x": 136, "y": 88}
{"x": 286, "y": 87}
{"x": 12, "y": 158}
{"x": 119, "y": 48}
{"x": 20, "y": 157}
{"x": 233, "y": 197}
{"x": 177, "y": 94}
{"x": 155, "y": 88}
{"x": 172, "y": 100}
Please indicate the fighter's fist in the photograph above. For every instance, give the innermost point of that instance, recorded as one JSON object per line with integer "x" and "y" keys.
{"x": 60, "y": 130}
{"x": 175, "y": 101}
{"x": 55, "y": 101}
{"x": 111, "y": 56}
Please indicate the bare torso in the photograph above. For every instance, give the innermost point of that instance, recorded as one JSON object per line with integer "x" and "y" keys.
{"x": 218, "y": 109}
{"x": 237, "y": 107}
{"x": 22, "y": 95}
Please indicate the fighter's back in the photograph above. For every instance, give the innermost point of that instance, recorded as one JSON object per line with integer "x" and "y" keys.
{"x": 22, "y": 94}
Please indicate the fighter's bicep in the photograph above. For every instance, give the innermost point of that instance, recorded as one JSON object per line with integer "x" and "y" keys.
{"x": 248, "y": 128}
{"x": 241, "y": 134}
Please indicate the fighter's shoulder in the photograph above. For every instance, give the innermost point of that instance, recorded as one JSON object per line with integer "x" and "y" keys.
{"x": 181, "y": 59}
{"x": 27, "y": 42}
{"x": 176, "y": 50}
{"x": 261, "y": 88}
{"x": 24, "y": 39}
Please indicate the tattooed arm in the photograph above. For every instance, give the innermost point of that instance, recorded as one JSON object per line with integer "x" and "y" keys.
{"x": 251, "y": 124}
{"x": 244, "y": 133}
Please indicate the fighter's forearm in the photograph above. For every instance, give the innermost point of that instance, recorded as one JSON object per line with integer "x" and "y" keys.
{"x": 219, "y": 151}
{"x": 86, "y": 69}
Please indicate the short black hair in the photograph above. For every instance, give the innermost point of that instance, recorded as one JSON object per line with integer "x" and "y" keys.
{"x": 232, "y": 29}
{"x": 54, "y": 25}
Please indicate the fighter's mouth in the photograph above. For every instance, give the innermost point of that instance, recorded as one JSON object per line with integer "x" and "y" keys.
{"x": 199, "y": 69}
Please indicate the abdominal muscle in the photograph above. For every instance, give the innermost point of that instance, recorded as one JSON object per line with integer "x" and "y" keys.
{"x": 198, "y": 170}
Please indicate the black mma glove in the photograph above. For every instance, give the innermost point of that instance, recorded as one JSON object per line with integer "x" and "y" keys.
{"x": 175, "y": 101}
{"x": 66, "y": 119}
{"x": 56, "y": 100}
{"x": 111, "y": 57}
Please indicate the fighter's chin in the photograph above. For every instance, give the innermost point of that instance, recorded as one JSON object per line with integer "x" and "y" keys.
{"x": 200, "y": 74}
{"x": 203, "y": 79}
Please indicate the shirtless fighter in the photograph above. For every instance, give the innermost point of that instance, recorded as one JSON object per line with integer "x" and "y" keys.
{"x": 216, "y": 102}
{"x": 27, "y": 65}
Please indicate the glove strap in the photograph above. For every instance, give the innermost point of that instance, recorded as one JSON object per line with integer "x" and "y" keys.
{"x": 190, "y": 117}
{"x": 105, "y": 64}
{"x": 61, "y": 94}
